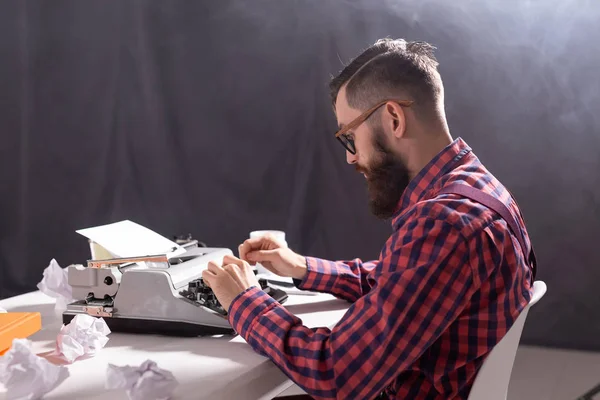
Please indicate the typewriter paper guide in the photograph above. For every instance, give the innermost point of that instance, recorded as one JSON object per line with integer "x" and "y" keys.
{"x": 128, "y": 239}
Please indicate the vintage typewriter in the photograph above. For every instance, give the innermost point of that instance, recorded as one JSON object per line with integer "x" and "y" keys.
{"x": 154, "y": 294}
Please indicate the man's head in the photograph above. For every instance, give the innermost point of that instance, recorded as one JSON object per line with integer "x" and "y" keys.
{"x": 390, "y": 144}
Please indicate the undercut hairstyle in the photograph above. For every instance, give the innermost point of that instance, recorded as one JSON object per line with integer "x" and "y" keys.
{"x": 395, "y": 69}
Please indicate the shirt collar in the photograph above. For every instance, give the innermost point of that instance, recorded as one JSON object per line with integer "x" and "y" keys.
{"x": 430, "y": 174}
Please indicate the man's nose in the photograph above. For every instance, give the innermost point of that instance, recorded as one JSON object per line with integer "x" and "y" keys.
{"x": 350, "y": 158}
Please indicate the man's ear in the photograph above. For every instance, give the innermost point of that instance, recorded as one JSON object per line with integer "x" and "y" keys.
{"x": 395, "y": 118}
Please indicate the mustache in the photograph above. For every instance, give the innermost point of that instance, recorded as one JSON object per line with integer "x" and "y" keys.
{"x": 360, "y": 169}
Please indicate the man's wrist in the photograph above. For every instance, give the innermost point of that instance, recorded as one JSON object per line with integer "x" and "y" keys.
{"x": 300, "y": 269}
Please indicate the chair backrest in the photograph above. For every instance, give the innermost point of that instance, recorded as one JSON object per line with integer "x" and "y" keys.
{"x": 493, "y": 378}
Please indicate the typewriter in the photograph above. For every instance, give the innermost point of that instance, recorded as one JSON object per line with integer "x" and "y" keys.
{"x": 154, "y": 294}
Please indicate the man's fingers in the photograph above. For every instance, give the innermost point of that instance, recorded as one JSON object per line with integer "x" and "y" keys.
{"x": 249, "y": 245}
{"x": 263, "y": 255}
{"x": 256, "y": 241}
{"x": 213, "y": 267}
{"x": 228, "y": 259}
{"x": 243, "y": 249}
{"x": 208, "y": 276}
{"x": 231, "y": 269}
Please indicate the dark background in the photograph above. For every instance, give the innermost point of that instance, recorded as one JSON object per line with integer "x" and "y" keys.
{"x": 212, "y": 117}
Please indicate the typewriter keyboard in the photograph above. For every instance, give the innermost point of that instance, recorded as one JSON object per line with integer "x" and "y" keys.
{"x": 201, "y": 294}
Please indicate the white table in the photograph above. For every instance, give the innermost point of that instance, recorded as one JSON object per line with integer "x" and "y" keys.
{"x": 222, "y": 367}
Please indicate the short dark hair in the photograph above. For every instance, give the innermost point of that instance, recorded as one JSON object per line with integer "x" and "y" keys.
{"x": 392, "y": 68}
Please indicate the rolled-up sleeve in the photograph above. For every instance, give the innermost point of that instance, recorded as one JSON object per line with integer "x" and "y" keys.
{"x": 344, "y": 279}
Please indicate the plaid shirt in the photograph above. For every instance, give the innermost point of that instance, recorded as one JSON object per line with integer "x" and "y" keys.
{"x": 448, "y": 284}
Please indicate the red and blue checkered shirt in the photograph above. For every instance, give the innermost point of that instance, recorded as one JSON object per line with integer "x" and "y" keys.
{"x": 448, "y": 284}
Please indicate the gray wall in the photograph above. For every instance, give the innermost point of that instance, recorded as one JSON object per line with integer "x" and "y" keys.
{"x": 172, "y": 114}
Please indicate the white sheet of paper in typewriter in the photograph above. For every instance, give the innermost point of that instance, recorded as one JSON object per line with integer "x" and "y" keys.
{"x": 129, "y": 239}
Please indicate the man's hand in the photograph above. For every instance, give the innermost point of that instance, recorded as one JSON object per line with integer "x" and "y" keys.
{"x": 230, "y": 279}
{"x": 274, "y": 256}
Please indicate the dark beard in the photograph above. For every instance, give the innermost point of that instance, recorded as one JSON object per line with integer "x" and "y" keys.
{"x": 387, "y": 179}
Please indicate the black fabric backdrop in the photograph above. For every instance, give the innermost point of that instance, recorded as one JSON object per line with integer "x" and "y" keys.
{"x": 213, "y": 118}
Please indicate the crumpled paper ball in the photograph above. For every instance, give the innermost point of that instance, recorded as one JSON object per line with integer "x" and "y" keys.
{"x": 146, "y": 382}
{"x": 55, "y": 283}
{"x": 26, "y": 375}
{"x": 84, "y": 335}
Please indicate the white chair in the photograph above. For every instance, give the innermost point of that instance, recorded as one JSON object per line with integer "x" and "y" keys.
{"x": 493, "y": 378}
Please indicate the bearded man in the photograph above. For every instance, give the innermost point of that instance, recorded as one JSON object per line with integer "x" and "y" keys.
{"x": 449, "y": 282}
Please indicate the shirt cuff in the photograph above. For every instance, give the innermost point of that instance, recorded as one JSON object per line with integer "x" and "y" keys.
{"x": 315, "y": 269}
{"x": 247, "y": 307}
{"x": 301, "y": 283}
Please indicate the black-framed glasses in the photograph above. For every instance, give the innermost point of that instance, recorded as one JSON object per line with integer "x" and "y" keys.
{"x": 348, "y": 142}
